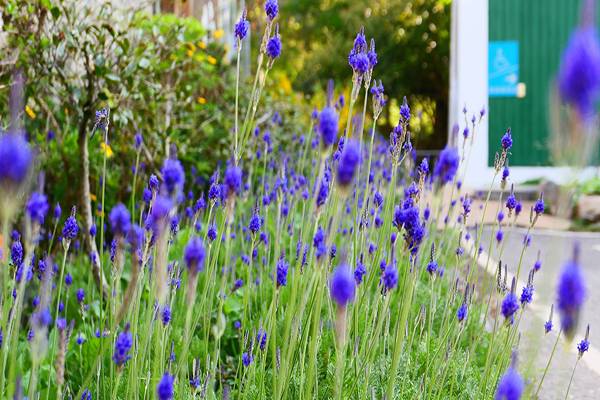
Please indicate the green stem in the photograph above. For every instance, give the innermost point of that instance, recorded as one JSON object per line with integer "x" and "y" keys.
{"x": 547, "y": 365}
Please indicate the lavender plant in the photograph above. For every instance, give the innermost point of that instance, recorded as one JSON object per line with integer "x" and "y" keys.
{"x": 306, "y": 271}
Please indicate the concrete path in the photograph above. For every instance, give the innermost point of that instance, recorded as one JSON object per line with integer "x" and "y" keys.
{"x": 556, "y": 248}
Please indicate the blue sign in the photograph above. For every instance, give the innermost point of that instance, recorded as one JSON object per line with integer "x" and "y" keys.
{"x": 503, "y": 68}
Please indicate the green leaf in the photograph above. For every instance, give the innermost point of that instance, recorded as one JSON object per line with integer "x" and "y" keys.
{"x": 113, "y": 78}
{"x": 55, "y": 11}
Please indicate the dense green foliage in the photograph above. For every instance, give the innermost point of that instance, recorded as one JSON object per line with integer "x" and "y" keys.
{"x": 413, "y": 44}
{"x": 162, "y": 76}
{"x": 320, "y": 263}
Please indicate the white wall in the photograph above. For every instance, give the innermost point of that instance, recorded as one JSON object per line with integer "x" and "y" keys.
{"x": 469, "y": 81}
{"x": 469, "y": 87}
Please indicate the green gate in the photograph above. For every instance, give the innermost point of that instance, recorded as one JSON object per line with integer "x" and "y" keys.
{"x": 542, "y": 29}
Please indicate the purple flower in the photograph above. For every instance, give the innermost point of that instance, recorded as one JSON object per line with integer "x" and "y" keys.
{"x": 15, "y": 159}
{"x": 584, "y": 345}
{"x": 372, "y": 56}
{"x": 579, "y": 73}
{"x": 511, "y": 202}
{"x": 511, "y": 384}
{"x": 499, "y": 235}
{"x": 43, "y": 317}
{"x": 389, "y": 278}
{"x": 16, "y": 253}
{"x": 166, "y": 315}
{"x": 378, "y": 93}
{"x": 194, "y": 255}
{"x": 538, "y": 207}
{"x": 570, "y": 294}
{"x": 70, "y": 229}
{"x": 432, "y": 267}
{"x": 447, "y": 165}
{"x": 510, "y": 306}
{"x": 241, "y": 27}
{"x": 342, "y": 285}
{"x": 505, "y": 173}
{"x": 526, "y": 295}
{"x": 518, "y": 208}
{"x": 120, "y": 220}
{"x": 271, "y": 9}
{"x": 157, "y": 218}
{"x": 506, "y": 140}
{"x": 323, "y": 192}
{"x": 138, "y": 140}
{"x": 500, "y": 216}
{"x": 164, "y": 389}
{"x": 247, "y": 359}
{"x": 407, "y": 217}
{"x": 360, "y": 63}
{"x": 405, "y": 110}
{"x": 359, "y": 272}
{"x": 261, "y": 339}
{"x": 233, "y": 179}
{"x": 122, "y": 347}
{"x": 57, "y": 212}
{"x": 255, "y": 223}
{"x": 135, "y": 237}
{"x": 282, "y": 272}
{"x": 328, "y": 125}
{"x": 348, "y": 163}
{"x": 153, "y": 183}
{"x": 274, "y": 45}
{"x": 212, "y": 232}
{"x": 173, "y": 175}
{"x": 80, "y": 295}
{"x": 466, "y": 206}
{"x": 61, "y": 324}
{"x": 461, "y": 314}
{"x": 424, "y": 166}
{"x": 37, "y": 207}
{"x": 101, "y": 119}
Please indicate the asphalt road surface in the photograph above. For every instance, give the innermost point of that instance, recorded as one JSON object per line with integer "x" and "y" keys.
{"x": 556, "y": 247}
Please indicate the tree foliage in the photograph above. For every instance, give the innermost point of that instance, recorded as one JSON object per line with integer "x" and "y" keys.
{"x": 412, "y": 41}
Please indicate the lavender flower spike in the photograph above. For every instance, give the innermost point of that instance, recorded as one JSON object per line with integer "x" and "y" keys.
{"x": 570, "y": 294}
{"x": 342, "y": 286}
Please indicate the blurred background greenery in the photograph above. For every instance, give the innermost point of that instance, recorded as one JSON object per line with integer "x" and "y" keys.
{"x": 412, "y": 43}
{"x": 171, "y": 78}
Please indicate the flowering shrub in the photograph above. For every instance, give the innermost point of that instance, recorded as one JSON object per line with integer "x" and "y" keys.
{"x": 332, "y": 267}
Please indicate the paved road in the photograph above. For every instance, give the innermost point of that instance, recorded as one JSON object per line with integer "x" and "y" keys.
{"x": 556, "y": 247}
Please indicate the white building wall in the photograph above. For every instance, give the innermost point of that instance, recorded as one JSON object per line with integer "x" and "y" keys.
{"x": 469, "y": 87}
{"x": 468, "y": 81}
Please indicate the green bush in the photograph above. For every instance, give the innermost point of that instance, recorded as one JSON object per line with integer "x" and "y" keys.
{"x": 162, "y": 76}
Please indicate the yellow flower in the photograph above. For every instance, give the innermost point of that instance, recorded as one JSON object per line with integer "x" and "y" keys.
{"x": 29, "y": 112}
{"x": 192, "y": 46}
{"x": 285, "y": 84}
{"x": 190, "y": 53}
{"x": 211, "y": 60}
{"x": 202, "y": 45}
{"x": 93, "y": 197}
{"x": 218, "y": 34}
{"x": 201, "y": 100}
{"x": 106, "y": 149}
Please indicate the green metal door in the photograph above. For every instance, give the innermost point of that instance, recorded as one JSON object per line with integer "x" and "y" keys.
{"x": 542, "y": 29}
